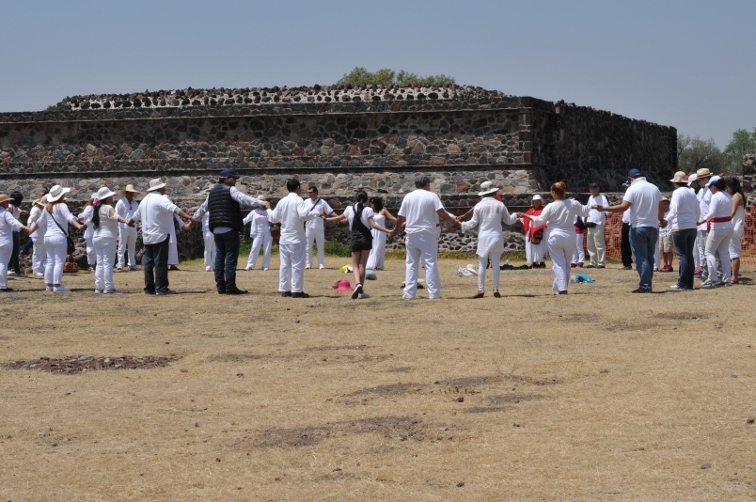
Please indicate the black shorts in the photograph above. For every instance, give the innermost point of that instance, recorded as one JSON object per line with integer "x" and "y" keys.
{"x": 361, "y": 244}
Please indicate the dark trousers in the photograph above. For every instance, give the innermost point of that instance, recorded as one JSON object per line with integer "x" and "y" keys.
{"x": 627, "y": 252}
{"x": 29, "y": 244}
{"x": 685, "y": 242}
{"x": 13, "y": 264}
{"x": 155, "y": 264}
{"x": 226, "y": 258}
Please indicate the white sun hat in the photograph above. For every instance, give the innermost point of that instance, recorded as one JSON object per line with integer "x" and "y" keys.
{"x": 104, "y": 192}
{"x": 486, "y": 188}
{"x": 156, "y": 184}
{"x": 56, "y": 193}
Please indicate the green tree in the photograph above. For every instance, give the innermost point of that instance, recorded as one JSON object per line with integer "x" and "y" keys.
{"x": 694, "y": 153}
{"x": 742, "y": 142}
{"x": 387, "y": 77}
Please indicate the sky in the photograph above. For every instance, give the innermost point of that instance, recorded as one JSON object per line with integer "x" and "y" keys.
{"x": 688, "y": 64}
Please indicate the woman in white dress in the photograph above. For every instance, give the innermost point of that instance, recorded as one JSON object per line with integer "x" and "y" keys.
{"x": 261, "y": 236}
{"x": 105, "y": 224}
{"x": 173, "y": 256}
{"x": 738, "y": 225}
{"x": 719, "y": 219}
{"x": 378, "y": 252}
{"x": 86, "y": 215}
{"x": 56, "y": 218}
{"x": 488, "y": 215}
{"x": 559, "y": 217}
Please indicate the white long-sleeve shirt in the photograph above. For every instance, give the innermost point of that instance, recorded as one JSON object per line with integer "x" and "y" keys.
{"x": 8, "y": 225}
{"x": 720, "y": 206}
{"x": 126, "y": 210}
{"x": 560, "y": 214}
{"x": 34, "y": 215}
{"x": 156, "y": 214}
{"x": 488, "y": 215}
{"x": 86, "y": 217}
{"x": 291, "y": 212}
{"x": 240, "y": 197}
{"x": 684, "y": 210}
{"x": 259, "y": 224}
{"x": 704, "y": 198}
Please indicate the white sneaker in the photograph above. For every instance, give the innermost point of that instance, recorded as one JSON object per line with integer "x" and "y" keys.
{"x": 247, "y": 268}
{"x": 322, "y": 267}
{"x": 60, "y": 289}
{"x": 405, "y": 297}
{"x": 37, "y": 274}
{"x": 48, "y": 288}
{"x": 363, "y": 296}
{"x": 709, "y": 284}
{"x": 111, "y": 291}
{"x": 98, "y": 291}
{"x": 675, "y": 286}
{"x": 208, "y": 269}
{"x": 265, "y": 269}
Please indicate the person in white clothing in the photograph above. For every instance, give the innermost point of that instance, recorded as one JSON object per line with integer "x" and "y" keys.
{"x": 86, "y": 215}
{"x": 14, "y": 207}
{"x": 105, "y": 223}
{"x": 376, "y": 260}
{"x": 292, "y": 212}
{"x": 56, "y": 218}
{"x": 683, "y": 216}
{"x": 37, "y": 237}
{"x": 665, "y": 241}
{"x": 419, "y": 214}
{"x": 127, "y": 236}
{"x": 704, "y": 199}
{"x": 8, "y": 225}
{"x": 262, "y": 239}
{"x": 693, "y": 185}
{"x": 578, "y": 257}
{"x": 596, "y": 223}
{"x": 738, "y": 225}
{"x": 156, "y": 213}
{"x": 559, "y": 216}
{"x": 315, "y": 229}
{"x": 209, "y": 239}
{"x": 361, "y": 220}
{"x": 644, "y": 202}
{"x": 487, "y": 217}
{"x": 535, "y": 236}
{"x": 719, "y": 219}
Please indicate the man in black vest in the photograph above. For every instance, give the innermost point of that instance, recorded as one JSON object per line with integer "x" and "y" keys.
{"x": 224, "y": 205}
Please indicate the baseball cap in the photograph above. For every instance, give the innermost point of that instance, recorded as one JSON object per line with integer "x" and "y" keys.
{"x": 229, "y": 173}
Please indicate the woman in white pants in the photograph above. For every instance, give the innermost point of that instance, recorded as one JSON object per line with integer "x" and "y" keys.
{"x": 8, "y": 225}
{"x": 488, "y": 215}
{"x": 57, "y": 218}
{"x": 209, "y": 238}
{"x": 105, "y": 223}
{"x": 738, "y": 225}
{"x": 259, "y": 231}
{"x": 560, "y": 216}
{"x": 378, "y": 252}
{"x": 719, "y": 219}
{"x": 86, "y": 215}
{"x": 38, "y": 237}
{"x": 578, "y": 257}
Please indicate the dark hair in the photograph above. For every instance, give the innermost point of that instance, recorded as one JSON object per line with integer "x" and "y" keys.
{"x": 734, "y": 184}
{"x": 292, "y": 185}
{"x": 17, "y": 197}
{"x": 361, "y": 198}
{"x": 96, "y": 217}
{"x": 721, "y": 184}
{"x": 559, "y": 188}
{"x": 313, "y": 188}
{"x": 594, "y": 185}
{"x": 378, "y": 203}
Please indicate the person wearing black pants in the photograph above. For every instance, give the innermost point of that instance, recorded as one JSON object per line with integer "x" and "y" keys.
{"x": 627, "y": 252}
{"x": 155, "y": 264}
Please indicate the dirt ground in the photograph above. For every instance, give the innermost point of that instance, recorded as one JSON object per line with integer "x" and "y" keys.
{"x": 597, "y": 395}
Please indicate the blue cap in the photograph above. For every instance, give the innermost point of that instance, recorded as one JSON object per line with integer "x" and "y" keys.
{"x": 229, "y": 173}
{"x": 634, "y": 173}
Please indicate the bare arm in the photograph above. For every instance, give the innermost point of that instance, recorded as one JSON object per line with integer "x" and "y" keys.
{"x": 385, "y": 212}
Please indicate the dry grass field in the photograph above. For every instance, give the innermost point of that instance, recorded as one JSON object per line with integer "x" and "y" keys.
{"x": 598, "y": 395}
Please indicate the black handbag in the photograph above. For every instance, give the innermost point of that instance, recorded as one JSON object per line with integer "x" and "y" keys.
{"x": 71, "y": 247}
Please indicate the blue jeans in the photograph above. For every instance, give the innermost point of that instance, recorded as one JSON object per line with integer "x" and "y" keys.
{"x": 685, "y": 241}
{"x": 226, "y": 257}
{"x": 14, "y": 263}
{"x": 643, "y": 241}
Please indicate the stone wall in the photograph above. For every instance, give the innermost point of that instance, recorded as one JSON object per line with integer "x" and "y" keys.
{"x": 340, "y": 138}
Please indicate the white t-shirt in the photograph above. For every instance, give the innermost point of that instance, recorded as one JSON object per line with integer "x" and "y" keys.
{"x": 319, "y": 205}
{"x": 684, "y": 210}
{"x": 720, "y": 206}
{"x": 156, "y": 214}
{"x": 419, "y": 211}
{"x": 666, "y": 231}
{"x": 367, "y": 213}
{"x": 561, "y": 214}
{"x": 595, "y": 216}
{"x": 645, "y": 198}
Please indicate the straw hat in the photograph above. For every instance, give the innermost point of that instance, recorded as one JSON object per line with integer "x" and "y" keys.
{"x": 486, "y": 188}
{"x": 680, "y": 177}
{"x": 156, "y": 184}
{"x": 130, "y": 188}
{"x": 103, "y": 193}
{"x": 4, "y": 197}
{"x": 704, "y": 172}
{"x": 56, "y": 193}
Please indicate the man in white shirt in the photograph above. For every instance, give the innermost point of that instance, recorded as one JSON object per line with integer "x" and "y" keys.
{"x": 703, "y": 176}
{"x": 315, "y": 229}
{"x": 419, "y": 214}
{"x": 596, "y": 223}
{"x": 156, "y": 213}
{"x": 643, "y": 201}
{"x": 127, "y": 236}
{"x": 291, "y": 212}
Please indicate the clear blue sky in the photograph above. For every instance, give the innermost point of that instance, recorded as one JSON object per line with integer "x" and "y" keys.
{"x": 689, "y": 64}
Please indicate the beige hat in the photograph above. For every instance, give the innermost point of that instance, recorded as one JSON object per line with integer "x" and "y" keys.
{"x": 4, "y": 197}
{"x": 703, "y": 173}
{"x": 156, "y": 184}
{"x": 680, "y": 177}
{"x": 56, "y": 193}
{"x": 486, "y": 188}
{"x": 130, "y": 188}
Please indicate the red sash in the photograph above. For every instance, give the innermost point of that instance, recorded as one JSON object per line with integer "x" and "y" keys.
{"x": 721, "y": 219}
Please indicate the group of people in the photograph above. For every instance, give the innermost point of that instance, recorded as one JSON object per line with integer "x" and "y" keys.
{"x": 711, "y": 220}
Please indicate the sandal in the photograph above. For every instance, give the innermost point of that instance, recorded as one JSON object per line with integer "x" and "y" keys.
{"x": 478, "y": 295}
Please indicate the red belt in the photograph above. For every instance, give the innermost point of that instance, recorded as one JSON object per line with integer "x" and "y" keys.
{"x": 721, "y": 219}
